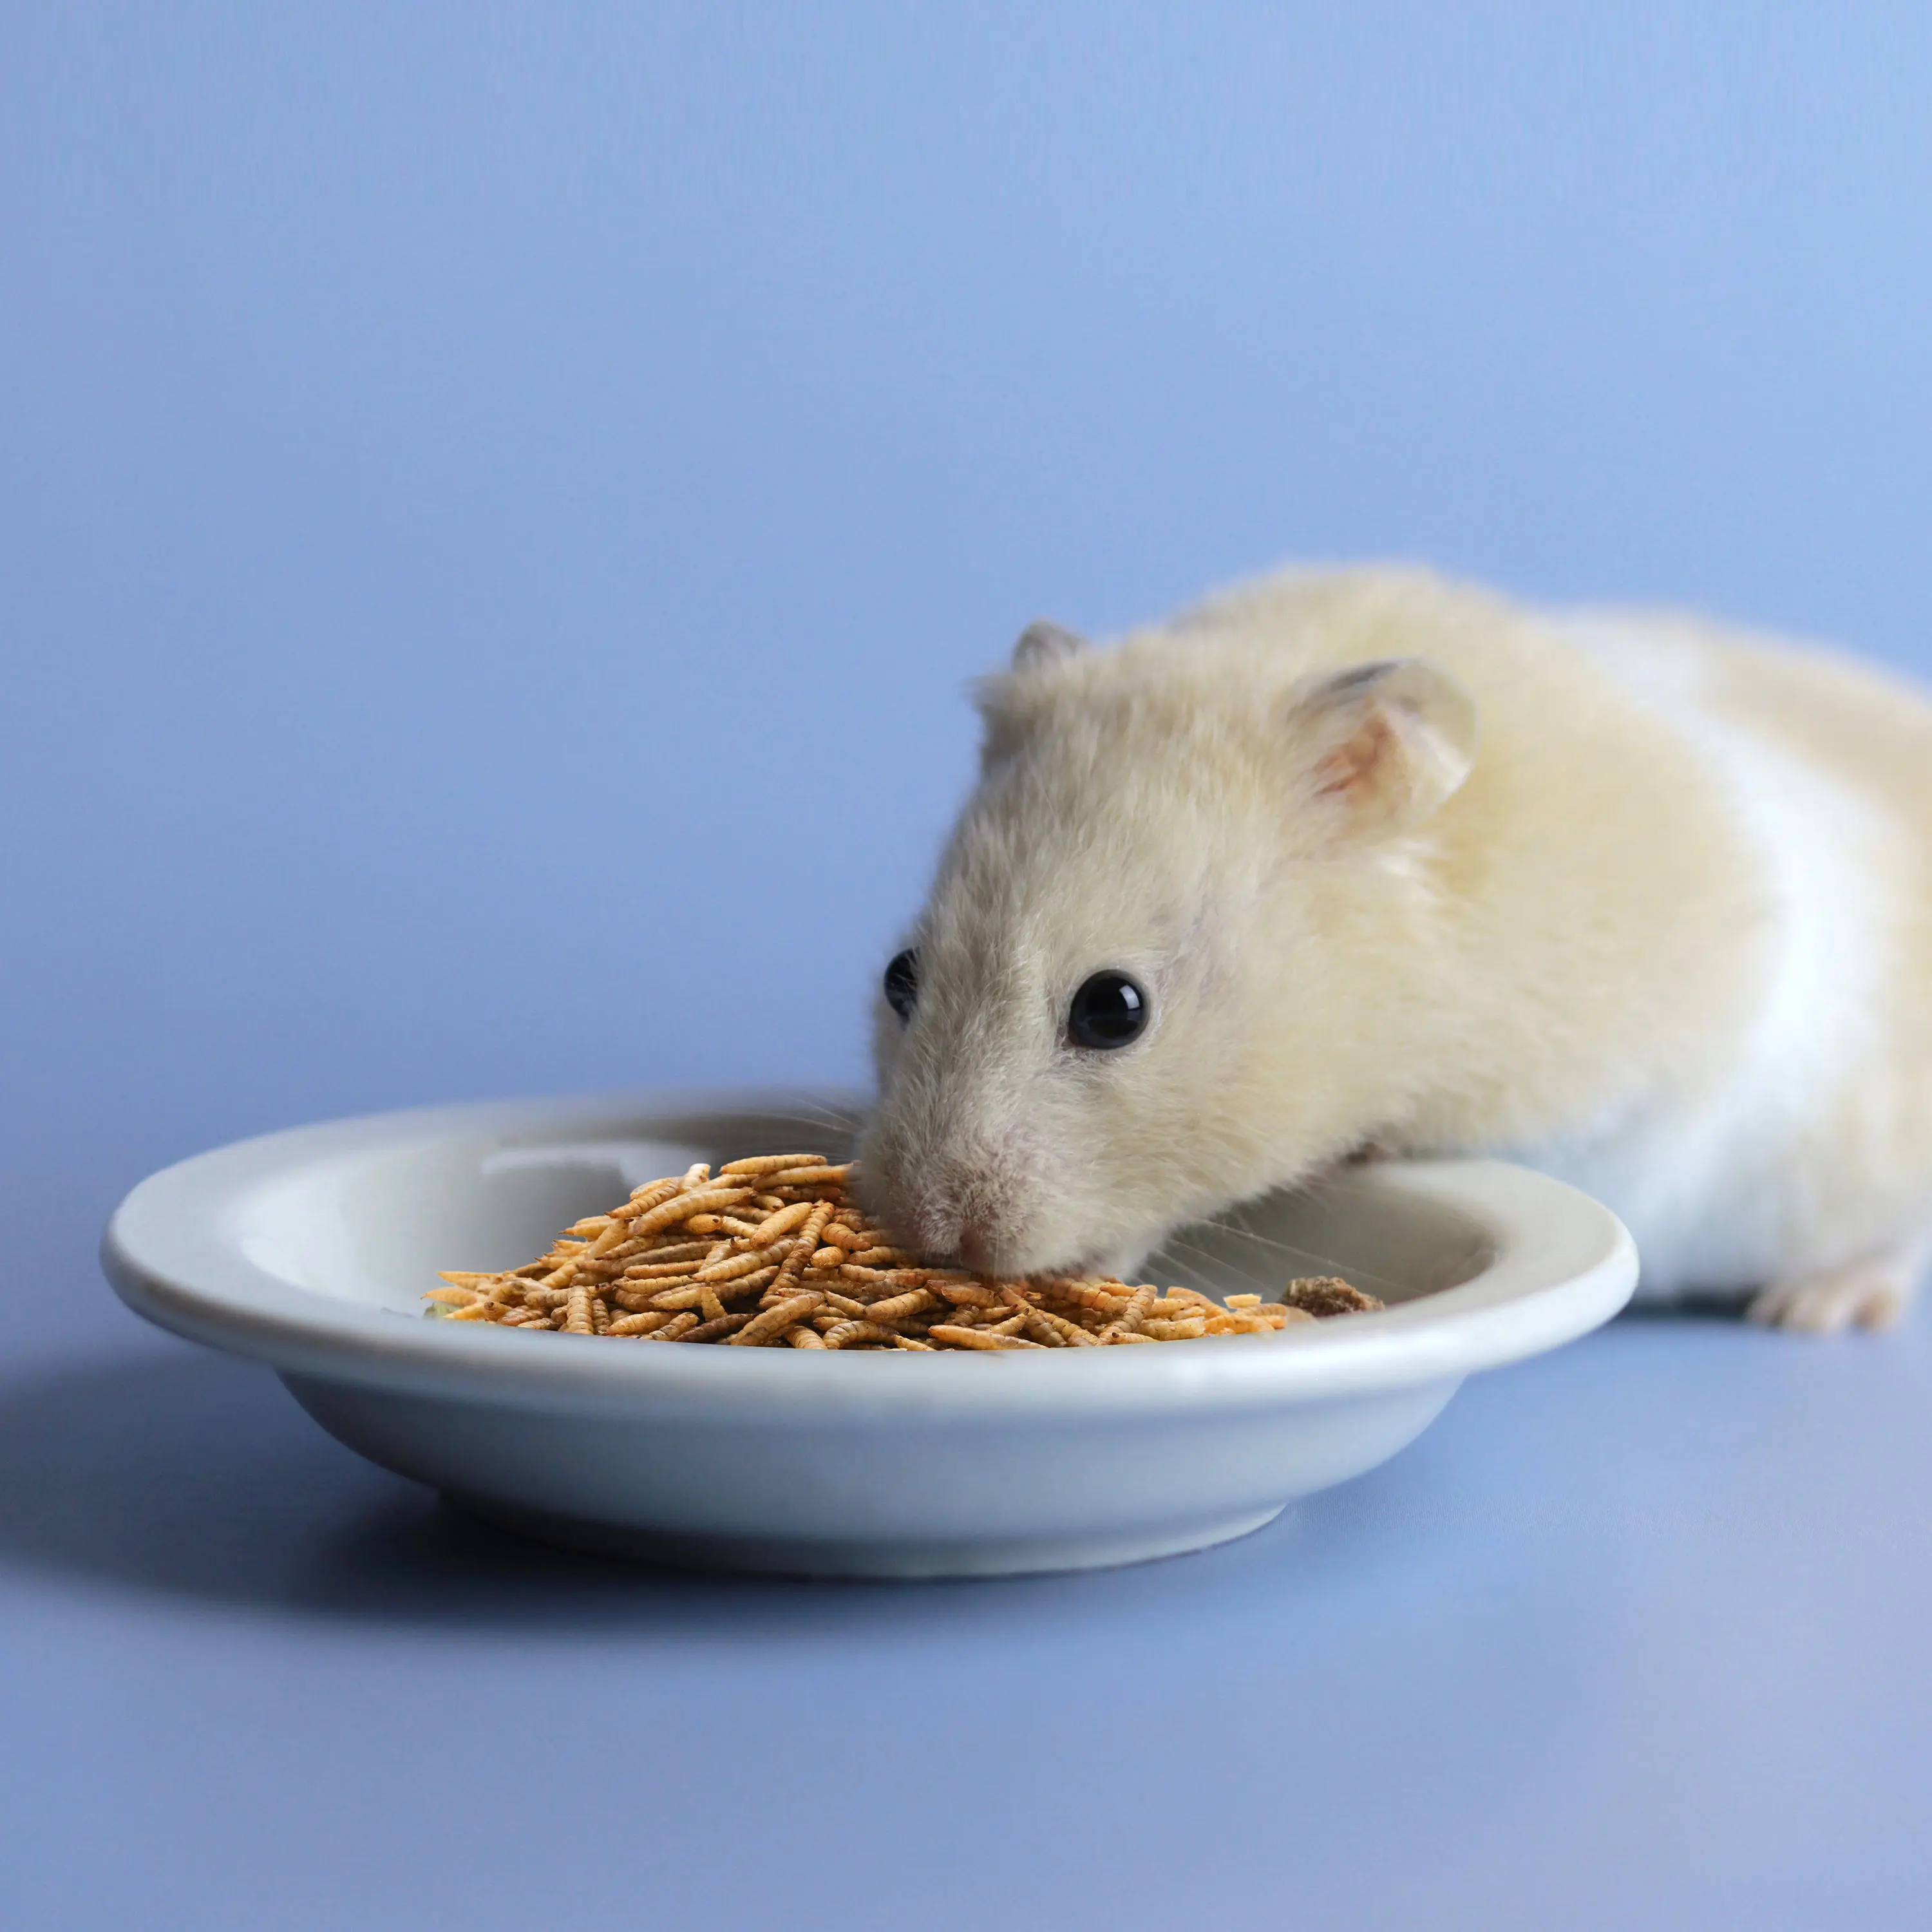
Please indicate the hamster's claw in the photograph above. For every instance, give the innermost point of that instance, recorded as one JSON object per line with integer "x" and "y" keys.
{"x": 1872, "y": 1293}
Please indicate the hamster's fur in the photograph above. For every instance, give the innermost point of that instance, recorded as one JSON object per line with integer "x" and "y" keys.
{"x": 1638, "y": 900}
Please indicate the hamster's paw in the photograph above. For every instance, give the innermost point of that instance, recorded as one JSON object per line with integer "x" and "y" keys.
{"x": 1869, "y": 1294}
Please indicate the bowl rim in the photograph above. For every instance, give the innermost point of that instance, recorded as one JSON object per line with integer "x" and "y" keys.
{"x": 1562, "y": 1264}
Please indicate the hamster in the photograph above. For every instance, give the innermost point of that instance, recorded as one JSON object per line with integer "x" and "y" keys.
{"x": 1366, "y": 859}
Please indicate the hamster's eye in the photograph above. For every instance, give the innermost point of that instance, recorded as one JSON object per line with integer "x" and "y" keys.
{"x": 902, "y": 983}
{"x": 1109, "y": 1010}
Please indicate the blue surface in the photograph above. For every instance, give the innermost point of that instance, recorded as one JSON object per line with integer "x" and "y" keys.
{"x": 457, "y": 463}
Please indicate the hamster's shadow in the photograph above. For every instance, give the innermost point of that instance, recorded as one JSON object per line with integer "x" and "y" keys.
{"x": 190, "y": 1476}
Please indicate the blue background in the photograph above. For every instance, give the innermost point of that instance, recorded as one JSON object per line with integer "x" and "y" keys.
{"x": 462, "y": 464}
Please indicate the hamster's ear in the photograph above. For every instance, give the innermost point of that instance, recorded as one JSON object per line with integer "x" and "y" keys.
{"x": 1009, "y": 701}
{"x": 1380, "y": 747}
{"x": 1042, "y": 641}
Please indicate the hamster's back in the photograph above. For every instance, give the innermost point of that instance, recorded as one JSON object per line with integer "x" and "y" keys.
{"x": 1820, "y": 768}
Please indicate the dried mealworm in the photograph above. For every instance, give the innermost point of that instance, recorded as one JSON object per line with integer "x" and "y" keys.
{"x": 578, "y": 1320}
{"x": 676, "y": 1329}
{"x": 682, "y": 1206}
{"x": 774, "y": 1321}
{"x": 771, "y": 1163}
{"x": 1109, "y": 1298}
{"x": 805, "y": 1243}
{"x": 714, "y": 1329}
{"x": 646, "y": 1198}
{"x": 976, "y": 1338}
{"x": 682, "y": 1295}
{"x": 844, "y": 1305}
{"x": 966, "y": 1294}
{"x": 1129, "y": 1320}
{"x": 900, "y": 1306}
{"x": 808, "y": 1177}
{"x": 614, "y": 1232}
{"x": 782, "y": 1222}
{"x": 1071, "y": 1332}
{"x": 689, "y": 1294}
{"x": 1011, "y": 1324}
{"x": 732, "y": 1266}
{"x": 805, "y": 1338}
{"x": 642, "y": 1323}
{"x": 1055, "y": 1330}
{"x": 848, "y": 1332}
{"x": 660, "y": 1253}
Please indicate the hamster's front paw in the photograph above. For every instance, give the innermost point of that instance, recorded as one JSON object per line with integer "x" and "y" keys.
{"x": 1869, "y": 1294}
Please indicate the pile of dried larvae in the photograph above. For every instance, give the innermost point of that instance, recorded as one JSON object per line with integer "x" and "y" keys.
{"x": 774, "y": 1252}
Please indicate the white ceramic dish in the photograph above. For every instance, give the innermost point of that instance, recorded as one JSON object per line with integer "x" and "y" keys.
{"x": 309, "y": 1250}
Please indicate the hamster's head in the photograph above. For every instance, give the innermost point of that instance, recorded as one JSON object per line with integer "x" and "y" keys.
{"x": 1177, "y": 952}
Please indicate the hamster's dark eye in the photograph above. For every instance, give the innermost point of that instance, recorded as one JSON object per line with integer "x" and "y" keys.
{"x": 902, "y": 983}
{"x": 1109, "y": 1010}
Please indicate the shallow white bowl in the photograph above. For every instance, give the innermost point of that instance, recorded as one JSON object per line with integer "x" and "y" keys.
{"x": 310, "y": 1249}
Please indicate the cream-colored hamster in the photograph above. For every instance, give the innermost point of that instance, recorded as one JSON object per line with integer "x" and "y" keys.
{"x": 1366, "y": 858}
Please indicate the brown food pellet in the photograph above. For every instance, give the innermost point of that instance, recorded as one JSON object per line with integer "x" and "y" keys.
{"x": 785, "y": 1227}
{"x": 1327, "y": 1295}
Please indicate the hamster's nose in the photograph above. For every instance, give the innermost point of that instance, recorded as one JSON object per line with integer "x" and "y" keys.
{"x": 975, "y": 1248}
{"x": 930, "y": 1227}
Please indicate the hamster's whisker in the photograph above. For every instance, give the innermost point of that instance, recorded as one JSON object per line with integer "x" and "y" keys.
{"x": 829, "y": 1120}
{"x": 1206, "y": 1264}
{"x": 1236, "y": 1232}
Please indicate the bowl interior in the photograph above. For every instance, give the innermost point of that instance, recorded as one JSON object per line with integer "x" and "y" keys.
{"x": 373, "y": 1226}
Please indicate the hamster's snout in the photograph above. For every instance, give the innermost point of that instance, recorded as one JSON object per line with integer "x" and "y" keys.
{"x": 961, "y": 1207}
{"x": 951, "y": 1218}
